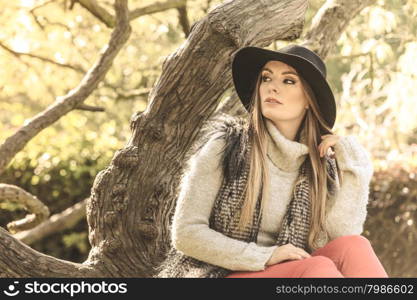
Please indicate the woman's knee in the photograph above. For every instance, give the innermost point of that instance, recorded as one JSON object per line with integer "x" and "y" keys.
{"x": 320, "y": 266}
{"x": 355, "y": 240}
{"x": 320, "y": 261}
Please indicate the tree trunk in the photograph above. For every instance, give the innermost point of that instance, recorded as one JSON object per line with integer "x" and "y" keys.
{"x": 133, "y": 199}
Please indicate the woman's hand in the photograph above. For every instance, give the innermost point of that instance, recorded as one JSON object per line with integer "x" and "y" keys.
{"x": 328, "y": 140}
{"x": 285, "y": 252}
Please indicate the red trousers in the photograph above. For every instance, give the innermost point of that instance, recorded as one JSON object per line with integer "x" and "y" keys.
{"x": 345, "y": 256}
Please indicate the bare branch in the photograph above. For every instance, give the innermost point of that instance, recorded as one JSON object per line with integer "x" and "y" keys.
{"x": 75, "y": 97}
{"x": 45, "y": 59}
{"x": 90, "y": 108}
{"x": 34, "y": 16}
{"x": 156, "y": 7}
{"x": 322, "y": 37}
{"x": 40, "y": 212}
{"x": 56, "y": 223}
{"x": 108, "y": 19}
{"x": 183, "y": 18}
{"x": 41, "y": 5}
{"x": 99, "y": 12}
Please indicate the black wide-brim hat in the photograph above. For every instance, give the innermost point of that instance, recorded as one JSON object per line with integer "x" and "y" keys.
{"x": 248, "y": 62}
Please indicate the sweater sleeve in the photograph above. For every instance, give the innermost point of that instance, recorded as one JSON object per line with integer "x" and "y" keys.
{"x": 190, "y": 232}
{"x": 348, "y": 214}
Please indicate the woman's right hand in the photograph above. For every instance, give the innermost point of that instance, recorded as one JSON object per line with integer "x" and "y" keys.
{"x": 286, "y": 252}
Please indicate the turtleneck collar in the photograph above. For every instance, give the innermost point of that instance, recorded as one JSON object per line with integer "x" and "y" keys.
{"x": 286, "y": 154}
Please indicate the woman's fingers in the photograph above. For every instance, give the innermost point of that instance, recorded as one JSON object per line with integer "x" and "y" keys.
{"x": 299, "y": 253}
{"x": 322, "y": 149}
{"x": 304, "y": 253}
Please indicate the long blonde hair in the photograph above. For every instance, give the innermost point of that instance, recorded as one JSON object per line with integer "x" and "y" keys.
{"x": 258, "y": 173}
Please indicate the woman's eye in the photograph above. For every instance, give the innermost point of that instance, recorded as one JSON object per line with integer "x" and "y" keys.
{"x": 267, "y": 77}
{"x": 263, "y": 78}
{"x": 293, "y": 82}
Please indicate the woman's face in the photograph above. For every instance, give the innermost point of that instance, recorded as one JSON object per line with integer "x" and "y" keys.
{"x": 280, "y": 81}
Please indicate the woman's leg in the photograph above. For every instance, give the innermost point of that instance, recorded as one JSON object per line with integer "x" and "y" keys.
{"x": 354, "y": 256}
{"x": 317, "y": 266}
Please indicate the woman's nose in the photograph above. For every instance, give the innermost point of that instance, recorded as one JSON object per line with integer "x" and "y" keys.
{"x": 274, "y": 89}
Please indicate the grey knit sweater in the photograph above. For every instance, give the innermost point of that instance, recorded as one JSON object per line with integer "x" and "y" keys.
{"x": 192, "y": 235}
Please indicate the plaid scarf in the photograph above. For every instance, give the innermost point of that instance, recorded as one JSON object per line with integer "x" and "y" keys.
{"x": 229, "y": 200}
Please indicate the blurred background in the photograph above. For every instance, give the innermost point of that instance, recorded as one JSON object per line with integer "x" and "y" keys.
{"x": 47, "y": 46}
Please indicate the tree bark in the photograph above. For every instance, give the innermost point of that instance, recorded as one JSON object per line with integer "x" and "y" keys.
{"x": 133, "y": 199}
{"x": 19, "y": 260}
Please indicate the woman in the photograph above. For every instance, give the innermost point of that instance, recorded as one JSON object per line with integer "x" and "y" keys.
{"x": 282, "y": 204}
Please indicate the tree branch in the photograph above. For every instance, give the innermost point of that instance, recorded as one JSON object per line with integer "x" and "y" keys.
{"x": 56, "y": 223}
{"x": 44, "y": 59}
{"x": 156, "y": 7}
{"x": 90, "y": 108}
{"x": 75, "y": 97}
{"x": 183, "y": 19}
{"x": 40, "y": 212}
{"x": 108, "y": 19}
{"x": 322, "y": 36}
{"x": 99, "y": 12}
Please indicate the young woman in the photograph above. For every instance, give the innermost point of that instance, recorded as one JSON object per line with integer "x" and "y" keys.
{"x": 290, "y": 197}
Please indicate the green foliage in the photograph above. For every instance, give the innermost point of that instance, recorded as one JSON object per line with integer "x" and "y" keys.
{"x": 59, "y": 184}
{"x": 77, "y": 240}
{"x": 391, "y": 223}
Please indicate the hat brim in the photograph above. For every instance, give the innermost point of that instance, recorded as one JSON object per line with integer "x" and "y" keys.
{"x": 248, "y": 62}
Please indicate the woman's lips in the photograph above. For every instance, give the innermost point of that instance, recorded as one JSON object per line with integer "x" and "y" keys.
{"x": 272, "y": 101}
